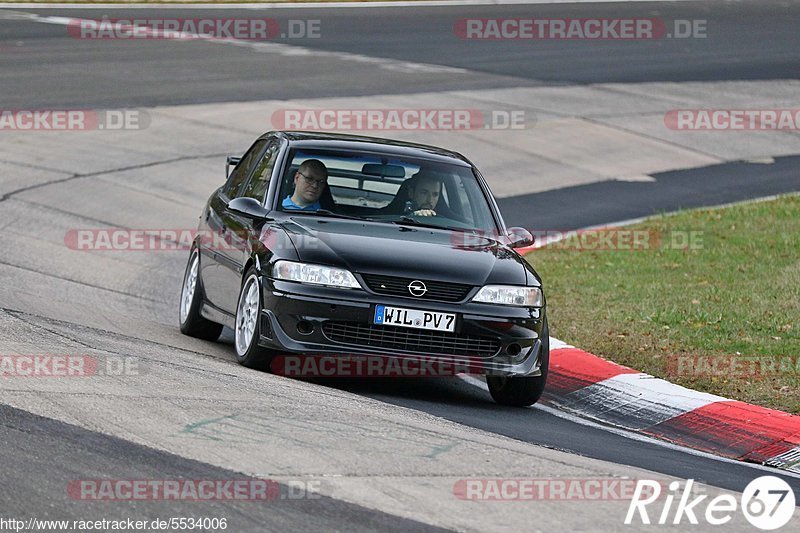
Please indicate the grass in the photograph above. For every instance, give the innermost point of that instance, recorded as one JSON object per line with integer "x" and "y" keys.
{"x": 669, "y": 309}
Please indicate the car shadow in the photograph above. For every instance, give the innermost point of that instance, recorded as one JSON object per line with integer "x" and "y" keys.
{"x": 440, "y": 396}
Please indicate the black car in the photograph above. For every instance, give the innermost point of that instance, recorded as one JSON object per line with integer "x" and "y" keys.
{"x": 347, "y": 245}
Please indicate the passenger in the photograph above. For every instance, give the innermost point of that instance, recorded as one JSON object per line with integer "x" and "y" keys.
{"x": 310, "y": 181}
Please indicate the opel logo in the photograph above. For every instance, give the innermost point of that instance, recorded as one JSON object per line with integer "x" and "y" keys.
{"x": 417, "y": 288}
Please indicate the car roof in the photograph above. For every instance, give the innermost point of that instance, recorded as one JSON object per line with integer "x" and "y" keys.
{"x": 339, "y": 141}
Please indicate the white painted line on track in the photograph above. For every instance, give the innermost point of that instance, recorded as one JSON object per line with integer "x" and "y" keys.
{"x": 789, "y": 460}
{"x": 634, "y": 436}
{"x": 258, "y": 46}
{"x": 556, "y": 344}
{"x": 318, "y": 5}
{"x": 644, "y": 178}
{"x": 635, "y": 401}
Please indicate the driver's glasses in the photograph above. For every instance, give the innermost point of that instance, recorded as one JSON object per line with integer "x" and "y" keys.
{"x": 318, "y": 182}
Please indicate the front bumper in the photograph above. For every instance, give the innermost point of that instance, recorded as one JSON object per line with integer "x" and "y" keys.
{"x": 306, "y": 319}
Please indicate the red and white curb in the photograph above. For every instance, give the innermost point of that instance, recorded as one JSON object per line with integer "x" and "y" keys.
{"x": 592, "y": 387}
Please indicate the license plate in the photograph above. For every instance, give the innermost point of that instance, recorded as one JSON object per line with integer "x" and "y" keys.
{"x": 414, "y": 318}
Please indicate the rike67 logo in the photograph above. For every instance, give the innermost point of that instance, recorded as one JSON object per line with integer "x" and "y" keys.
{"x": 767, "y": 503}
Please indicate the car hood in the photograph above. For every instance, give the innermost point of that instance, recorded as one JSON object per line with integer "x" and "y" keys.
{"x": 405, "y": 251}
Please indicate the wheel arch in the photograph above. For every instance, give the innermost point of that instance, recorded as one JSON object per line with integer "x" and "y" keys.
{"x": 254, "y": 261}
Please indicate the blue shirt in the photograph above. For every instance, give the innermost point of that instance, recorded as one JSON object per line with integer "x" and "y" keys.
{"x": 289, "y": 204}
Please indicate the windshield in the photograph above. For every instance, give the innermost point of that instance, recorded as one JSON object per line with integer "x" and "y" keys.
{"x": 385, "y": 188}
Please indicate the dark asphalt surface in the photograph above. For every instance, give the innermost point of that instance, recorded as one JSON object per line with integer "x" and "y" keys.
{"x": 748, "y": 40}
{"x": 615, "y": 201}
{"x": 43, "y": 457}
{"x": 456, "y": 400}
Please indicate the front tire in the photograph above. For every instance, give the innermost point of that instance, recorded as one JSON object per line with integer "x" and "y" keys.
{"x": 522, "y": 391}
{"x": 248, "y": 324}
{"x": 192, "y": 323}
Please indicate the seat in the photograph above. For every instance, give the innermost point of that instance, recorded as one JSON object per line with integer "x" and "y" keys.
{"x": 326, "y": 200}
{"x": 398, "y": 203}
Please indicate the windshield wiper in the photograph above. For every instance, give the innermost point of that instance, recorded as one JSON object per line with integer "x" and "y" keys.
{"x": 328, "y": 213}
{"x": 408, "y": 221}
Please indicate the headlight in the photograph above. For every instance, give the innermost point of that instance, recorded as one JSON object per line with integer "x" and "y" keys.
{"x": 510, "y": 295}
{"x": 314, "y": 274}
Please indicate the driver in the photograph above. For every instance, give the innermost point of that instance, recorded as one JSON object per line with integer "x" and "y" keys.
{"x": 424, "y": 194}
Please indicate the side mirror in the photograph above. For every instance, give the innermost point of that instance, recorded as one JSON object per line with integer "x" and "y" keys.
{"x": 519, "y": 237}
{"x": 249, "y": 207}
{"x": 230, "y": 161}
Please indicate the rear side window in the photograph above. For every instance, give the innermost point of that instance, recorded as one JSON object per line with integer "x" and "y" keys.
{"x": 239, "y": 175}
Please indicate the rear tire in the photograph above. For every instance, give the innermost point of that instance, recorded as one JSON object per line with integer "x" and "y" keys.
{"x": 522, "y": 391}
{"x": 247, "y": 329}
{"x": 192, "y": 323}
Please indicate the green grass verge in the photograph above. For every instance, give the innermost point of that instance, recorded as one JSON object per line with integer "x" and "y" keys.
{"x": 685, "y": 313}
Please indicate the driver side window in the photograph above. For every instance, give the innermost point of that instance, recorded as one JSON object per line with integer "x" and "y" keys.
{"x": 239, "y": 175}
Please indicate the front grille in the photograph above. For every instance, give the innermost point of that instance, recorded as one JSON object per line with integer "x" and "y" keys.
{"x": 437, "y": 290}
{"x": 410, "y": 340}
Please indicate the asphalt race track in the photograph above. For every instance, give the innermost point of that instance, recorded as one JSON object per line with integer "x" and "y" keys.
{"x": 383, "y": 454}
{"x": 754, "y": 42}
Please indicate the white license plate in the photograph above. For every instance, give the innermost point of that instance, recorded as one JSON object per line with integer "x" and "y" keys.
{"x": 414, "y": 318}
